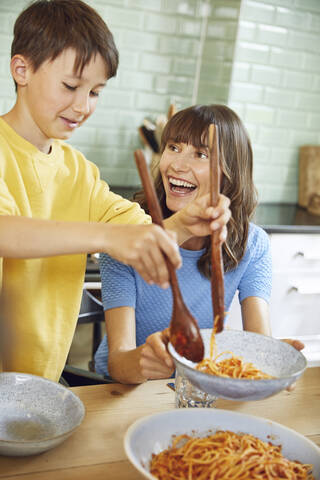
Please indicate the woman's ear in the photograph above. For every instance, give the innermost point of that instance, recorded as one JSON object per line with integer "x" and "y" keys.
{"x": 19, "y": 69}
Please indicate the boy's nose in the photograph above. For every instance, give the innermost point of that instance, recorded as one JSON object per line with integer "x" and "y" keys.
{"x": 82, "y": 105}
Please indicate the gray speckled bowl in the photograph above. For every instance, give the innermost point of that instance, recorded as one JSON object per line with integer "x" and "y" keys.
{"x": 35, "y": 414}
{"x": 270, "y": 355}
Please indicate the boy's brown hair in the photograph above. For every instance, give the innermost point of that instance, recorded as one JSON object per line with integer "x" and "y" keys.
{"x": 47, "y": 27}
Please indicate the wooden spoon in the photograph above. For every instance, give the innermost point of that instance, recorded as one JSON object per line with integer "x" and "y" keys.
{"x": 217, "y": 281}
{"x": 184, "y": 330}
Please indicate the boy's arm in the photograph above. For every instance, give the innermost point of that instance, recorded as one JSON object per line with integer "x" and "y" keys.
{"x": 141, "y": 246}
{"x": 196, "y": 219}
{"x": 23, "y": 237}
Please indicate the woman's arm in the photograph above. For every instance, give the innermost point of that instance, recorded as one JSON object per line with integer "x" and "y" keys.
{"x": 123, "y": 360}
{"x": 255, "y": 318}
{"x": 128, "y": 363}
{"x": 255, "y": 315}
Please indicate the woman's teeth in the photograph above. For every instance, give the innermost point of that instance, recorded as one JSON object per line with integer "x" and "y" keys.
{"x": 180, "y": 185}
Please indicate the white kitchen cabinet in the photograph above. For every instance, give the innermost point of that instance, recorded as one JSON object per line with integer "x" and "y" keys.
{"x": 295, "y": 299}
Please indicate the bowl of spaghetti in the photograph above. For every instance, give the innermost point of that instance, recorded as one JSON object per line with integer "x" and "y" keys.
{"x": 240, "y": 365}
{"x": 207, "y": 443}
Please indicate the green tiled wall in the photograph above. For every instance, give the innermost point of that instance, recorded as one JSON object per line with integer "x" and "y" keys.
{"x": 159, "y": 43}
{"x": 262, "y": 58}
{"x": 275, "y": 88}
{"x": 218, "y": 51}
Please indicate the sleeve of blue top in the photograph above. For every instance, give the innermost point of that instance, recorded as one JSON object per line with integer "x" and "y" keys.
{"x": 118, "y": 285}
{"x": 257, "y": 279}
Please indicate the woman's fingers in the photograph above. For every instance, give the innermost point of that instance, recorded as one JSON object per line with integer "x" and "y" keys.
{"x": 152, "y": 366}
{"x": 220, "y": 214}
{"x": 201, "y": 219}
{"x": 292, "y": 387}
{"x": 158, "y": 349}
{"x": 155, "y": 361}
{"x": 294, "y": 343}
{"x": 165, "y": 336}
{"x": 154, "y": 375}
{"x": 298, "y": 346}
{"x": 223, "y": 234}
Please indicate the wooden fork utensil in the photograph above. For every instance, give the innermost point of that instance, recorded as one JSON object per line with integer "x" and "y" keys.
{"x": 217, "y": 280}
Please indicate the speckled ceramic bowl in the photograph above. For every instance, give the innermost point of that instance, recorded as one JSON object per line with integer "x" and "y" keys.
{"x": 153, "y": 433}
{"x": 270, "y": 355}
{"x": 35, "y": 414}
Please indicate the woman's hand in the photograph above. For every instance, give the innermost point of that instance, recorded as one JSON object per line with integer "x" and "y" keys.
{"x": 199, "y": 219}
{"x": 298, "y": 346}
{"x": 294, "y": 343}
{"x": 155, "y": 361}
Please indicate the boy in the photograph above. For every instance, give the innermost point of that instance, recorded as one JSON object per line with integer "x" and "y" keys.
{"x": 54, "y": 208}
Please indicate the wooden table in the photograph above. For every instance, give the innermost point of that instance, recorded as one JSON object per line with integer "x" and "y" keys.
{"x": 95, "y": 451}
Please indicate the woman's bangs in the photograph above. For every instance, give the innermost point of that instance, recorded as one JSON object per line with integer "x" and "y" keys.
{"x": 186, "y": 128}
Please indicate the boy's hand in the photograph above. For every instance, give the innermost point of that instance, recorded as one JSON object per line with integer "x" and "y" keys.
{"x": 144, "y": 247}
{"x": 199, "y": 219}
{"x": 155, "y": 361}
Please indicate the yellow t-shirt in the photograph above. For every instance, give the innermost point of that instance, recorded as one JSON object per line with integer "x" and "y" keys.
{"x": 40, "y": 298}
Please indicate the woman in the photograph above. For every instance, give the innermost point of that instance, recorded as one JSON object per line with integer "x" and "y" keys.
{"x": 137, "y": 314}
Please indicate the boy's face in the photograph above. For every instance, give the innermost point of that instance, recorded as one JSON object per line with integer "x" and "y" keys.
{"x": 185, "y": 174}
{"x": 58, "y": 101}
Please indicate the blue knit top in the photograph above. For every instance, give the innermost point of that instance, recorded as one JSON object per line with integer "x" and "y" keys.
{"x": 123, "y": 286}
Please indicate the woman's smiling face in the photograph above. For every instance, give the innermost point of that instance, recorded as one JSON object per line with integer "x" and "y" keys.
{"x": 185, "y": 173}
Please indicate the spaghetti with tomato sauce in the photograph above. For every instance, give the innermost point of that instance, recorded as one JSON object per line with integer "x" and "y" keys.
{"x": 225, "y": 455}
{"x": 231, "y": 367}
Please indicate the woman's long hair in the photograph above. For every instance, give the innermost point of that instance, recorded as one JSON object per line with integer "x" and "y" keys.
{"x": 190, "y": 126}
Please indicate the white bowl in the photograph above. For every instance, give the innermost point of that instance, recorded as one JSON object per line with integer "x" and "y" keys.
{"x": 153, "y": 434}
{"x": 35, "y": 414}
{"x": 270, "y": 355}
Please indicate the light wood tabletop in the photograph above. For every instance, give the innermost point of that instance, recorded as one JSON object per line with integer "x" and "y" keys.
{"x": 95, "y": 451}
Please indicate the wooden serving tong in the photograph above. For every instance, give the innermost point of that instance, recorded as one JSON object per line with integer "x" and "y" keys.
{"x": 217, "y": 280}
{"x": 185, "y": 335}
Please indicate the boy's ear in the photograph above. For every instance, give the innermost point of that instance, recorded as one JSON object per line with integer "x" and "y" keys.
{"x": 19, "y": 69}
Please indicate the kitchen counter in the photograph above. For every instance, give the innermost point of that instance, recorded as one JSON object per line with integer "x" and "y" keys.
{"x": 286, "y": 218}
